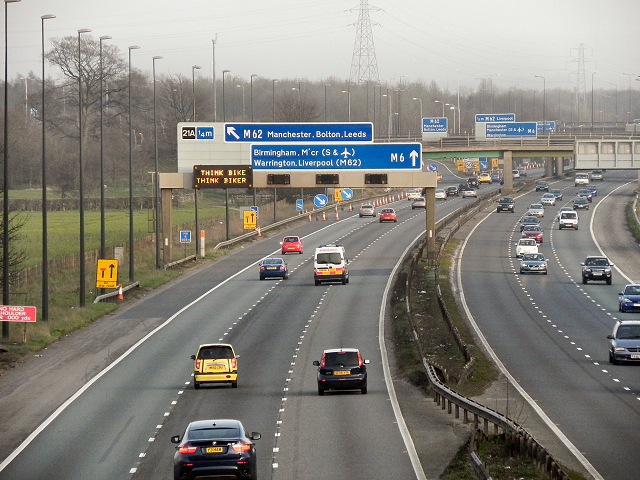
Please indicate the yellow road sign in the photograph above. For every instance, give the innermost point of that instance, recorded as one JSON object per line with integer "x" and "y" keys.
{"x": 107, "y": 275}
{"x": 336, "y": 195}
{"x": 250, "y": 218}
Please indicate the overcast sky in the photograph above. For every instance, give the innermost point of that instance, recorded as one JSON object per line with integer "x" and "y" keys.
{"x": 443, "y": 41}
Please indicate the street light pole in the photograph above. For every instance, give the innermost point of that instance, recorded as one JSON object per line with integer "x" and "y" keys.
{"x": 325, "y": 101}
{"x": 348, "y": 92}
{"x": 81, "y": 174}
{"x": 251, "y": 94}
{"x": 156, "y": 189}
{"x": 592, "y": 104}
{"x": 45, "y": 255}
{"x": 131, "y": 237}
{"x": 102, "y": 214}
{"x": 421, "y": 117}
{"x": 440, "y": 101}
{"x": 224, "y": 117}
{"x": 491, "y": 75}
{"x": 242, "y": 87}
{"x": 5, "y": 211}
{"x": 274, "y": 100}
{"x": 544, "y": 104}
{"x": 629, "y": 93}
{"x": 193, "y": 88}
{"x": 615, "y": 118}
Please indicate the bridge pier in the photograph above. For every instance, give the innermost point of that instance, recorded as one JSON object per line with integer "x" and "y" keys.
{"x": 548, "y": 166}
{"x": 508, "y": 171}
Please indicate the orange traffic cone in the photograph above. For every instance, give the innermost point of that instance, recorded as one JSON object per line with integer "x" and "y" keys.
{"x": 309, "y": 217}
{"x": 337, "y": 217}
{"x": 324, "y": 217}
{"x": 351, "y": 207}
{"x": 259, "y": 234}
{"x": 120, "y": 297}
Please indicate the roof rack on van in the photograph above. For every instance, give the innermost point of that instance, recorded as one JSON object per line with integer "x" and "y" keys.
{"x": 331, "y": 245}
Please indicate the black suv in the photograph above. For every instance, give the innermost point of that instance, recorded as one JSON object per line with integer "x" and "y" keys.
{"x": 473, "y": 182}
{"x": 596, "y": 268}
{"x": 506, "y": 204}
{"x": 341, "y": 369}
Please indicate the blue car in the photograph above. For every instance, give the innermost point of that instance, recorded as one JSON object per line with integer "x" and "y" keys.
{"x": 273, "y": 267}
{"x": 629, "y": 299}
{"x": 593, "y": 189}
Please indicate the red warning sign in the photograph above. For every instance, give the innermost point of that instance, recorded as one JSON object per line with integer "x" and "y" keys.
{"x": 11, "y": 313}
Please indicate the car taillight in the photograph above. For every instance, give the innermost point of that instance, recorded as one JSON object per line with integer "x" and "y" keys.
{"x": 233, "y": 363}
{"x": 187, "y": 449}
{"x": 359, "y": 360}
{"x": 281, "y": 267}
{"x": 322, "y": 361}
{"x": 198, "y": 364}
{"x": 262, "y": 269}
{"x": 241, "y": 447}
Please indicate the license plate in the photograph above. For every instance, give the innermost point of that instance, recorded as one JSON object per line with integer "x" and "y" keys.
{"x": 271, "y": 268}
{"x": 213, "y": 450}
{"x": 342, "y": 372}
{"x": 597, "y": 274}
{"x": 215, "y": 367}
{"x": 635, "y": 357}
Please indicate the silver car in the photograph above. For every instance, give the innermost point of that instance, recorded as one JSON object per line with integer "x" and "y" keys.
{"x": 548, "y": 199}
{"x": 419, "y": 203}
{"x": 536, "y": 210}
{"x": 367, "y": 211}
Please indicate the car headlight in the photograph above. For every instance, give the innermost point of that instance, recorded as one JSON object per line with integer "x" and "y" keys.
{"x": 626, "y": 300}
{"x": 588, "y": 270}
{"x": 619, "y": 349}
{"x": 607, "y": 270}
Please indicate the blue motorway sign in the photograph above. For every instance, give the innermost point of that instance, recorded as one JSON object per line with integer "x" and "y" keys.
{"x": 435, "y": 125}
{"x": 548, "y": 127}
{"x": 185, "y": 236}
{"x": 433, "y": 167}
{"x": 346, "y": 194}
{"x": 320, "y": 200}
{"x": 513, "y": 129}
{"x": 484, "y": 165}
{"x": 495, "y": 117}
{"x": 299, "y": 205}
{"x": 363, "y": 156}
{"x": 298, "y": 132}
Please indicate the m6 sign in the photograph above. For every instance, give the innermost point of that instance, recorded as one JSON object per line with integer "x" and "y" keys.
{"x": 11, "y": 313}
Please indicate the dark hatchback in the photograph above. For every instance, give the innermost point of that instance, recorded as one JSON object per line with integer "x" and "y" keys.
{"x": 273, "y": 267}
{"x": 596, "y": 268}
{"x": 215, "y": 448}
{"x": 341, "y": 369}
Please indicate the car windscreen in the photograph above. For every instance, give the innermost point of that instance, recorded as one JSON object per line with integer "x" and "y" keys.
{"x": 213, "y": 433}
{"x": 332, "y": 359}
{"x": 215, "y": 352}
{"x": 628, "y": 332}
{"x": 272, "y": 261}
{"x": 325, "y": 258}
{"x": 290, "y": 239}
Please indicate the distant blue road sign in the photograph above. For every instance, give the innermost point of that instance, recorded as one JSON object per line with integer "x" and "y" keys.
{"x": 547, "y": 127}
{"x": 299, "y": 205}
{"x": 495, "y": 117}
{"x": 433, "y": 167}
{"x": 484, "y": 165}
{"x": 185, "y": 236}
{"x": 513, "y": 129}
{"x": 320, "y": 200}
{"x": 363, "y": 156}
{"x": 435, "y": 125}
{"x": 298, "y": 132}
{"x": 346, "y": 194}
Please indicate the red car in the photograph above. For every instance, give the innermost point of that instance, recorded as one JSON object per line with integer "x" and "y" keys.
{"x": 388, "y": 215}
{"x": 533, "y": 231}
{"x": 291, "y": 244}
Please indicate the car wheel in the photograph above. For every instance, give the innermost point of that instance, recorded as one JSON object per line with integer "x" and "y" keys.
{"x": 521, "y": 271}
{"x": 545, "y": 272}
{"x": 300, "y": 252}
{"x": 609, "y": 281}
{"x": 344, "y": 280}
{"x": 286, "y": 277}
{"x": 234, "y": 384}
{"x": 320, "y": 391}
{"x": 576, "y": 227}
{"x": 364, "y": 390}
{"x": 380, "y": 220}
{"x": 587, "y": 207}
{"x": 196, "y": 385}
{"x": 261, "y": 277}
{"x": 317, "y": 282}
{"x": 614, "y": 361}
{"x": 584, "y": 281}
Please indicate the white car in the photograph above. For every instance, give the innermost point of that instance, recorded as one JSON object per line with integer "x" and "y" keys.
{"x": 536, "y": 210}
{"x": 413, "y": 194}
{"x": 515, "y": 173}
{"x": 548, "y": 199}
{"x": 581, "y": 179}
{"x": 526, "y": 245}
{"x": 441, "y": 194}
{"x": 563, "y": 209}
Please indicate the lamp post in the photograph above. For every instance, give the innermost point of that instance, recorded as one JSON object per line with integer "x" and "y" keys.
{"x": 193, "y": 88}
{"x": 491, "y": 75}
{"x": 156, "y": 188}
{"x": 440, "y": 101}
{"x": 102, "y": 219}
{"x": 5, "y": 210}
{"x": 81, "y": 174}
{"x": 242, "y": 87}
{"x": 45, "y": 255}
{"x": 296, "y": 88}
{"x": 325, "y": 101}
{"x": 348, "y": 92}
{"x": 131, "y": 239}
{"x": 615, "y": 118}
{"x": 274, "y": 100}
{"x": 451, "y": 107}
{"x": 419, "y": 100}
{"x": 629, "y": 93}
{"x": 251, "y": 95}
{"x": 299, "y": 102}
{"x": 592, "y": 104}
{"x": 224, "y": 117}
{"x": 544, "y": 104}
